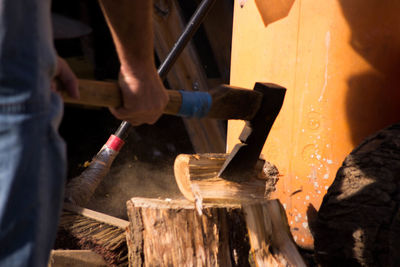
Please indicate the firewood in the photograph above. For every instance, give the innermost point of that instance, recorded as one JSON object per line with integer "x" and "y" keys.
{"x": 269, "y": 234}
{"x": 197, "y": 179}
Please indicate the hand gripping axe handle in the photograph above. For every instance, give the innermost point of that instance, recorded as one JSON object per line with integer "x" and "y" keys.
{"x": 259, "y": 107}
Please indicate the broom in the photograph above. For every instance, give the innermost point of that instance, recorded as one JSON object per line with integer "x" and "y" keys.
{"x": 94, "y": 233}
{"x": 81, "y": 188}
{"x": 99, "y": 232}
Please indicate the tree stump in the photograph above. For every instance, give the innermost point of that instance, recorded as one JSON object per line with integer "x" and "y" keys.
{"x": 172, "y": 233}
{"x": 358, "y": 223}
{"x": 175, "y": 233}
{"x": 221, "y": 223}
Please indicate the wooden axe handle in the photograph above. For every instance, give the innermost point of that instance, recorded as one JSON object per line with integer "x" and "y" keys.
{"x": 222, "y": 102}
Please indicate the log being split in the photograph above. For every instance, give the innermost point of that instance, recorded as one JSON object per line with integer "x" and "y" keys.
{"x": 172, "y": 233}
{"x": 197, "y": 179}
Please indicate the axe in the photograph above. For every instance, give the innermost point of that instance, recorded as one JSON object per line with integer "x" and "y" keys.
{"x": 258, "y": 107}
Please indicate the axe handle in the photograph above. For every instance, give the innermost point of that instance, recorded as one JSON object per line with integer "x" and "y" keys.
{"x": 222, "y": 102}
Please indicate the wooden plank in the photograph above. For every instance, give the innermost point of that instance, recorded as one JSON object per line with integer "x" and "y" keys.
{"x": 218, "y": 28}
{"x": 97, "y": 216}
{"x": 186, "y": 74}
{"x": 76, "y": 258}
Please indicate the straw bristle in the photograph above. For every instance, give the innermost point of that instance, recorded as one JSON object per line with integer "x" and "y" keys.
{"x": 105, "y": 239}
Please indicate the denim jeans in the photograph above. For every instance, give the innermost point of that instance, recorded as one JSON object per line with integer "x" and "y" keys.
{"x": 32, "y": 154}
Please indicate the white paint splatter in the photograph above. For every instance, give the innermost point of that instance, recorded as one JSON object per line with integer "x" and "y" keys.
{"x": 327, "y": 44}
{"x": 326, "y": 176}
{"x": 307, "y": 197}
{"x": 305, "y": 225}
{"x": 329, "y": 161}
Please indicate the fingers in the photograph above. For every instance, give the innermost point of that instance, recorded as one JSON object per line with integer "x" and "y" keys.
{"x": 144, "y": 97}
{"x": 136, "y": 118}
{"x": 67, "y": 78}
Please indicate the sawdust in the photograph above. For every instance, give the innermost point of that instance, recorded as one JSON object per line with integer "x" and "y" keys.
{"x": 144, "y": 167}
{"x": 133, "y": 179}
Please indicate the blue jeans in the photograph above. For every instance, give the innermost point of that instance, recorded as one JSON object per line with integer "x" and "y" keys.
{"x": 32, "y": 154}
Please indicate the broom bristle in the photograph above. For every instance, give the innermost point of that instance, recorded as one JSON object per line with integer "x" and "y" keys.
{"x": 105, "y": 239}
{"x": 81, "y": 188}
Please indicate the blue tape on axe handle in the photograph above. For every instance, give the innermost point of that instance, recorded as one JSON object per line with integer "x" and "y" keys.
{"x": 195, "y": 104}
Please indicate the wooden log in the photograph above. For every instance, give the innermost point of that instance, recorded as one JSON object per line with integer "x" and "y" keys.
{"x": 174, "y": 233}
{"x": 187, "y": 74}
{"x": 197, "y": 179}
{"x": 269, "y": 235}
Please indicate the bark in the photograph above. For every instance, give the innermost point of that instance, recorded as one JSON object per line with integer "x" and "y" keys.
{"x": 359, "y": 219}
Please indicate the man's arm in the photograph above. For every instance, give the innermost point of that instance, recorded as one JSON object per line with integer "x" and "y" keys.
{"x": 131, "y": 25}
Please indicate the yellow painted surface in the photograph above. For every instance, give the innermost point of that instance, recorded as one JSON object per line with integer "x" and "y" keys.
{"x": 340, "y": 63}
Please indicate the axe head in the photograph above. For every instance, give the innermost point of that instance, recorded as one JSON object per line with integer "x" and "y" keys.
{"x": 244, "y": 156}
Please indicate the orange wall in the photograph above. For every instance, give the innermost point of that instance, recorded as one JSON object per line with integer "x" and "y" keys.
{"x": 339, "y": 62}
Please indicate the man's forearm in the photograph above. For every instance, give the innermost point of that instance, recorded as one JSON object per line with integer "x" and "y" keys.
{"x": 131, "y": 25}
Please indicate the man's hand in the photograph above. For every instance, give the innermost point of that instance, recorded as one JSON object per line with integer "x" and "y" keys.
{"x": 144, "y": 96}
{"x": 131, "y": 26}
{"x": 66, "y": 79}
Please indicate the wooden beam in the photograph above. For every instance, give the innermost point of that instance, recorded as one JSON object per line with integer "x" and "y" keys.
{"x": 218, "y": 28}
{"x": 186, "y": 74}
